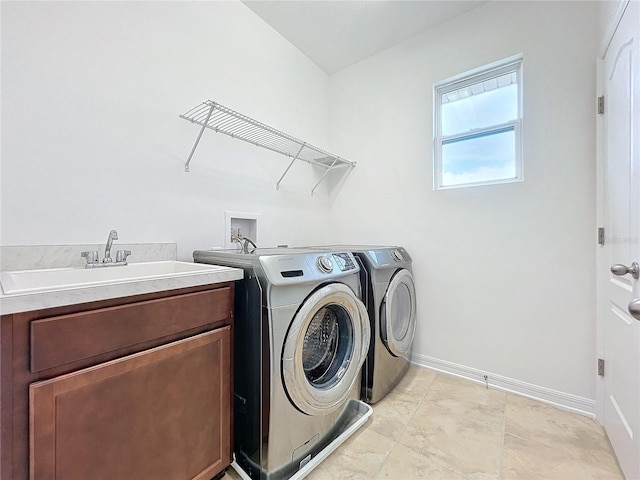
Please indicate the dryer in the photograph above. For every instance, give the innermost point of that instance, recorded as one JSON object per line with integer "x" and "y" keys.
{"x": 388, "y": 292}
{"x": 301, "y": 335}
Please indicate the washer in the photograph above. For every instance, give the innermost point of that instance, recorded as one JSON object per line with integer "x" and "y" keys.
{"x": 389, "y": 294}
{"x": 301, "y": 336}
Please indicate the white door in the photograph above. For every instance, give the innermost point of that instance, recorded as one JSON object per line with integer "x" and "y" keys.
{"x": 622, "y": 248}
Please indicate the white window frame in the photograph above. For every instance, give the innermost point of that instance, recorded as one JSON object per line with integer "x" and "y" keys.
{"x": 457, "y": 82}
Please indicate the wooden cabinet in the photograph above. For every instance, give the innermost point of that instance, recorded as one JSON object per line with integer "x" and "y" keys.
{"x": 120, "y": 390}
{"x": 155, "y": 414}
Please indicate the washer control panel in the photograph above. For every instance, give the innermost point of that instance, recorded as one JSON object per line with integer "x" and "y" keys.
{"x": 325, "y": 264}
{"x": 344, "y": 261}
{"x": 289, "y": 269}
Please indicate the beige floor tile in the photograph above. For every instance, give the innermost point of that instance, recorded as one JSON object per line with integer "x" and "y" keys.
{"x": 469, "y": 442}
{"x": 405, "y": 464}
{"x": 595, "y": 472}
{"x": 575, "y": 437}
{"x": 359, "y": 459}
{"x": 416, "y": 382}
{"x": 525, "y": 415}
{"x": 529, "y": 459}
{"x": 458, "y": 396}
{"x": 525, "y": 459}
{"x": 392, "y": 413}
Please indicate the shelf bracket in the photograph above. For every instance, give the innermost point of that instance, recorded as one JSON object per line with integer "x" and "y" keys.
{"x": 204, "y": 125}
{"x": 285, "y": 172}
{"x": 324, "y": 175}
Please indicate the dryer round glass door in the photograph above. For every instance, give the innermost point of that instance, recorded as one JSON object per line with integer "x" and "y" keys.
{"x": 325, "y": 348}
{"x": 398, "y": 314}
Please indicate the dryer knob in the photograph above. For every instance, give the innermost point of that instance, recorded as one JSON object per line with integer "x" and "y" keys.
{"x": 325, "y": 265}
{"x": 397, "y": 256}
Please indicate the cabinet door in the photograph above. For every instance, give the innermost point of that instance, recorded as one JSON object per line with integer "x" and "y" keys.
{"x": 159, "y": 414}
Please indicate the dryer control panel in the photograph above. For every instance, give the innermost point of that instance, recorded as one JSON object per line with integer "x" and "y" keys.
{"x": 388, "y": 257}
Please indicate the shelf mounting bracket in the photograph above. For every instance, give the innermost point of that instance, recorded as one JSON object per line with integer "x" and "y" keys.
{"x": 204, "y": 125}
{"x": 324, "y": 175}
{"x": 290, "y": 164}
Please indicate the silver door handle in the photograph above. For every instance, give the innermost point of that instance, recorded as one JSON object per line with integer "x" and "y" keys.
{"x": 620, "y": 269}
{"x": 634, "y": 308}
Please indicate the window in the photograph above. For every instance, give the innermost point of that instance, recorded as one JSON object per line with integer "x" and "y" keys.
{"x": 477, "y": 126}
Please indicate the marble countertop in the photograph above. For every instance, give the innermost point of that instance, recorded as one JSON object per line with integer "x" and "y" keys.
{"x": 36, "y": 300}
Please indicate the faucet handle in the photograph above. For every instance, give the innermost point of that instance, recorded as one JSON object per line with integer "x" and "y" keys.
{"x": 121, "y": 255}
{"x": 91, "y": 256}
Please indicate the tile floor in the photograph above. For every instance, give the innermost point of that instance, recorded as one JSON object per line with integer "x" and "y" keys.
{"x": 437, "y": 426}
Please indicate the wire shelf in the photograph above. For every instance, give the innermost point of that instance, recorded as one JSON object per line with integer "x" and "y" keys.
{"x": 222, "y": 119}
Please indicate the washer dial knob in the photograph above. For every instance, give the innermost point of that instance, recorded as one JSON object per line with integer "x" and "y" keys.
{"x": 325, "y": 264}
{"x": 397, "y": 256}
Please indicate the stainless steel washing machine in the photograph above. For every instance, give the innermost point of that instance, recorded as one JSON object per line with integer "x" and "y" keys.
{"x": 389, "y": 294}
{"x": 301, "y": 335}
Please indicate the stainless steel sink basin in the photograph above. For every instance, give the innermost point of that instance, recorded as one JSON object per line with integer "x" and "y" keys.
{"x": 34, "y": 281}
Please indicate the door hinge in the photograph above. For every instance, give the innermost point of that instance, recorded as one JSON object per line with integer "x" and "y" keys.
{"x": 600, "y": 235}
{"x": 601, "y": 105}
{"x": 601, "y": 367}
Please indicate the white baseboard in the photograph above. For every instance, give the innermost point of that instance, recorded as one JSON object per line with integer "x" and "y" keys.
{"x": 567, "y": 401}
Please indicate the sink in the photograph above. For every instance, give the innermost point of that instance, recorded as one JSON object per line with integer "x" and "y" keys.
{"x": 55, "y": 279}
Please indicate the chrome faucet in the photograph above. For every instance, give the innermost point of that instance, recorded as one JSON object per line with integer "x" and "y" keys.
{"x": 92, "y": 257}
{"x": 113, "y": 235}
{"x": 107, "y": 261}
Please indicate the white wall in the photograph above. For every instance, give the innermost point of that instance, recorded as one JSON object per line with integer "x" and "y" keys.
{"x": 91, "y": 138}
{"x": 504, "y": 273}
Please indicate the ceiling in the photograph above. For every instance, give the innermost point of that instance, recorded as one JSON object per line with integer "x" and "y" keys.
{"x": 335, "y": 34}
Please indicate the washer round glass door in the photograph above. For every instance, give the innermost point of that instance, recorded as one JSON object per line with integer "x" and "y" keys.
{"x": 398, "y": 314}
{"x": 325, "y": 348}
